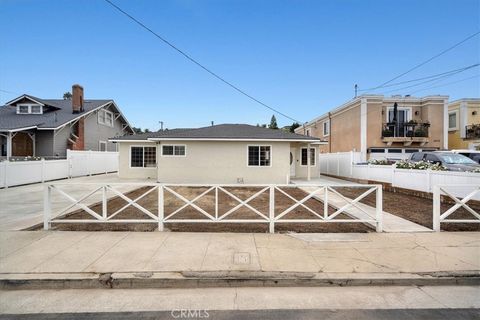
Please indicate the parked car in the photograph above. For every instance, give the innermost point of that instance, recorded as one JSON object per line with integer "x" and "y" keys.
{"x": 452, "y": 161}
{"x": 472, "y": 154}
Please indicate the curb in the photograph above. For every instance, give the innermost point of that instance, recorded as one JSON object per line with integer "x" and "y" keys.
{"x": 200, "y": 279}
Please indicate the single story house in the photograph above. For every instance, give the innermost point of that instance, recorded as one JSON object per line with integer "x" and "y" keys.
{"x": 225, "y": 153}
{"x": 31, "y": 126}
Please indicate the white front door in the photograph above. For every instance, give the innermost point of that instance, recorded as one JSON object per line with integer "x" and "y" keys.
{"x": 292, "y": 162}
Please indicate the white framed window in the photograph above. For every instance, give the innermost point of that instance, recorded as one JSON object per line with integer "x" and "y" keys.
{"x": 304, "y": 157}
{"x": 102, "y": 145}
{"x": 143, "y": 157}
{"x": 326, "y": 128}
{"x": 259, "y": 156}
{"x": 105, "y": 117}
{"x": 26, "y": 108}
{"x": 404, "y": 114}
{"x": 453, "y": 120}
{"x": 174, "y": 150}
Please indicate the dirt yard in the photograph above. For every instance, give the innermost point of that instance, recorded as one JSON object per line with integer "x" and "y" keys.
{"x": 207, "y": 203}
{"x": 416, "y": 209}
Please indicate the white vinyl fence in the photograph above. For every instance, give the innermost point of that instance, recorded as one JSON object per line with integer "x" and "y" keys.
{"x": 78, "y": 163}
{"x": 439, "y": 217}
{"x": 156, "y": 212}
{"x": 344, "y": 164}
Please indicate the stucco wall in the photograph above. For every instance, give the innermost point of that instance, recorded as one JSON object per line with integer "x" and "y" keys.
{"x": 211, "y": 162}
{"x": 454, "y": 136}
{"x": 124, "y": 170}
{"x": 345, "y": 130}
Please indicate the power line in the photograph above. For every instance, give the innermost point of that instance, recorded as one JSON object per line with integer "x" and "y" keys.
{"x": 435, "y": 76}
{"x": 428, "y": 60}
{"x": 187, "y": 56}
{"x": 431, "y": 80}
{"x": 447, "y": 84}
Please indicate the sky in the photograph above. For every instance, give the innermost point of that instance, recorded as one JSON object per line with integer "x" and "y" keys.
{"x": 300, "y": 57}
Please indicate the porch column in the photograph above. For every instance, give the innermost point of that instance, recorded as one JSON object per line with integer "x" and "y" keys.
{"x": 9, "y": 145}
{"x": 308, "y": 162}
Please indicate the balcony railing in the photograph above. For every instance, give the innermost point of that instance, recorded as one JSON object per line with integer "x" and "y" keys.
{"x": 405, "y": 130}
{"x": 472, "y": 131}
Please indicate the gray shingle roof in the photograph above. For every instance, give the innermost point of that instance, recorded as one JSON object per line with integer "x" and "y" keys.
{"x": 60, "y": 113}
{"x": 221, "y": 131}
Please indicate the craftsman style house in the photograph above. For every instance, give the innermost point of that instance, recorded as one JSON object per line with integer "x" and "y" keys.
{"x": 383, "y": 127}
{"x": 30, "y": 126}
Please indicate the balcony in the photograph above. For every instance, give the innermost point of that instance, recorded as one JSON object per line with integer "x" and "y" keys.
{"x": 405, "y": 132}
{"x": 472, "y": 131}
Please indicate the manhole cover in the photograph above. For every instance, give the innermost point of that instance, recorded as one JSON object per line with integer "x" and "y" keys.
{"x": 241, "y": 258}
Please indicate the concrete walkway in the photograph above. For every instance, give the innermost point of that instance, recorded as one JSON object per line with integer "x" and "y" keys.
{"x": 37, "y": 252}
{"x": 391, "y": 222}
{"x": 22, "y": 206}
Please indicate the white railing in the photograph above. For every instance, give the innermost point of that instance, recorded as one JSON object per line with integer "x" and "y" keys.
{"x": 439, "y": 217}
{"x": 343, "y": 164}
{"x": 322, "y": 193}
{"x": 77, "y": 163}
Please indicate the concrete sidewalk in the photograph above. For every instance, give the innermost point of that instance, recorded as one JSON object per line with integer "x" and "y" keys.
{"x": 22, "y": 206}
{"x": 199, "y": 255}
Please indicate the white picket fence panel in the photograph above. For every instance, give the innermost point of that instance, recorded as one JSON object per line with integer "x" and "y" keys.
{"x": 344, "y": 164}
{"x": 213, "y": 215}
{"x": 78, "y": 163}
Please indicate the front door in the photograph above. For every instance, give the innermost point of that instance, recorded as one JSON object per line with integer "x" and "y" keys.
{"x": 292, "y": 162}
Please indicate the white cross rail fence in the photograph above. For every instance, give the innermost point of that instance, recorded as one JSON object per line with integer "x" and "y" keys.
{"x": 266, "y": 194}
{"x": 446, "y": 190}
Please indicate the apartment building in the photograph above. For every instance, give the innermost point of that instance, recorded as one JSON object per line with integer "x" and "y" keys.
{"x": 464, "y": 124}
{"x": 383, "y": 127}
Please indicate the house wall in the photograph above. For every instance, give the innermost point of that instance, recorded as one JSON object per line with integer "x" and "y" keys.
{"x": 95, "y": 132}
{"x": 60, "y": 139}
{"x": 211, "y": 162}
{"x": 301, "y": 171}
{"x": 44, "y": 143}
{"x": 455, "y": 140}
{"x": 345, "y": 130}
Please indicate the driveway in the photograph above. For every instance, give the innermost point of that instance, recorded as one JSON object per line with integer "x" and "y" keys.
{"x": 22, "y": 206}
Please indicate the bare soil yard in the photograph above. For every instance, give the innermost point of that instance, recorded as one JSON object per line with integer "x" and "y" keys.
{"x": 207, "y": 203}
{"x": 416, "y": 209}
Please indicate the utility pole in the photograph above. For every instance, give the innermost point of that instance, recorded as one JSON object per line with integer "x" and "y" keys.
{"x": 356, "y": 88}
{"x": 161, "y": 125}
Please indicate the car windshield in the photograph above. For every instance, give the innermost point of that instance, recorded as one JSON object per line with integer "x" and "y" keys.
{"x": 453, "y": 158}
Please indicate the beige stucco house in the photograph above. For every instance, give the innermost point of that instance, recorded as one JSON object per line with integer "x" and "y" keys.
{"x": 464, "y": 124}
{"x": 226, "y": 153}
{"x": 367, "y": 124}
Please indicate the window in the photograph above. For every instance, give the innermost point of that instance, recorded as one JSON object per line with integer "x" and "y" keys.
{"x": 404, "y": 114}
{"x": 418, "y": 156}
{"x": 173, "y": 150}
{"x": 411, "y": 150}
{"x": 305, "y": 159}
{"x": 394, "y": 150}
{"x": 377, "y": 150}
{"x": 29, "y": 108}
{"x": 105, "y": 117}
{"x": 143, "y": 157}
{"x": 431, "y": 158}
{"x": 102, "y": 146}
{"x": 259, "y": 156}
{"x": 308, "y": 132}
{"x": 452, "y": 121}
{"x": 326, "y": 128}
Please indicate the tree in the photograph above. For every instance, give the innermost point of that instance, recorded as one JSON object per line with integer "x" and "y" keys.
{"x": 67, "y": 96}
{"x": 273, "y": 123}
{"x": 137, "y": 130}
{"x": 294, "y": 126}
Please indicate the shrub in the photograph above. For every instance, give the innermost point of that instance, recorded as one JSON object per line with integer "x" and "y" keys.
{"x": 381, "y": 162}
{"x": 420, "y": 165}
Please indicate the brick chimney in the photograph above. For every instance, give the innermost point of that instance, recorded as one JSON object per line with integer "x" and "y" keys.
{"x": 77, "y": 98}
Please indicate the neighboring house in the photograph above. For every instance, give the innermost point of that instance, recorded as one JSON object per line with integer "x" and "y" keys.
{"x": 464, "y": 124}
{"x": 367, "y": 124}
{"x": 225, "y": 153}
{"x": 30, "y": 126}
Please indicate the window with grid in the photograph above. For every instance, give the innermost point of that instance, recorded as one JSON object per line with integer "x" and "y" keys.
{"x": 259, "y": 156}
{"x": 143, "y": 157}
{"x": 173, "y": 150}
{"x": 305, "y": 159}
{"x": 105, "y": 117}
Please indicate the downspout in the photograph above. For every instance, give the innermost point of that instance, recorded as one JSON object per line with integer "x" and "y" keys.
{"x": 329, "y": 132}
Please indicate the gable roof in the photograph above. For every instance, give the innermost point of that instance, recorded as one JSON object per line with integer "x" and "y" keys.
{"x": 239, "y": 132}
{"x": 60, "y": 113}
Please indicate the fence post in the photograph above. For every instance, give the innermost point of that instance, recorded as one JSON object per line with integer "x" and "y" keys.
{"x": 47, "y": 209}
{"x": 89, "y": 160}
{"x": 104, "y": 203}
{"x": 392, "y": 182}
{"x": 271, "y": 207}
{"x": 69, "y": 162}
{"x": 436, "y": 208}
{"x": 428, "y": 180}
{"x": 338, "y": 164}
{"x": 379, "y": 209}
{"x": 5, "y": 181}
{"x": 43, "y": 169}
{"x": 325, "y": 202}
{"x": 160, "y": 207}
{"x": 351, "y": 164}
{"x": 216, "y": 203}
